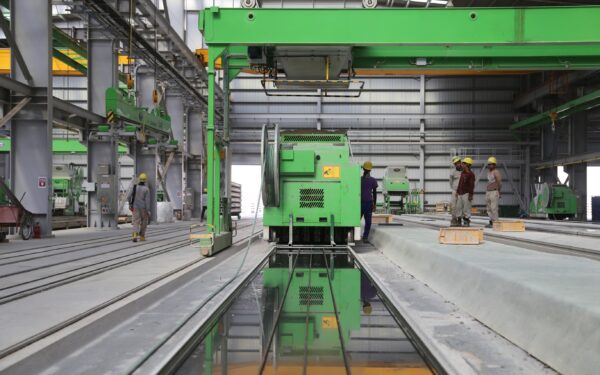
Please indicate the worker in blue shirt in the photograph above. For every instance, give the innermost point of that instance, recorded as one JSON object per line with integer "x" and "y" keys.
{"x": 368, "y": 197}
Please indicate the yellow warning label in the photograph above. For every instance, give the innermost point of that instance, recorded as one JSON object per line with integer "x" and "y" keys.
{"x": 329, "y": 322}
{"x": 331, "y": 171}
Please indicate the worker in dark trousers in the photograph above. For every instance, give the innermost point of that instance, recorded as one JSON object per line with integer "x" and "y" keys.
{"x": 203, "y": 200}
{"x": 464, "y": 192}
{"x": 368, "y": 197}
{"x": 139, "y": 203}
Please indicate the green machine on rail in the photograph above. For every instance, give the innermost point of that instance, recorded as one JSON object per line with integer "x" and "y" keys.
{"x": 396, "y": 188}
{"x": 67, "y": 192}
{"x": 553, "y": 201}
{"x": 311, "y": 188}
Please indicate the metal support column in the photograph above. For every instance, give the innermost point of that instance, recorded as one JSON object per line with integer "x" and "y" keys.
{"x": 578, "y": 172}
{"x": 31, "y": 128}
{"x": 145, "y": 156}
{"x": 422, "y": 141}
{"x": 215, "y": 219}
{"x": 194, "y": 172}
{"x": 102, "y": 150}
{"x": 174, "y": 177}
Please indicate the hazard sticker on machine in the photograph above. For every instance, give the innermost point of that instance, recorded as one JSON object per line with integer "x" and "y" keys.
{"x": 331, "y": 171}
{"x": 329, "y": 322}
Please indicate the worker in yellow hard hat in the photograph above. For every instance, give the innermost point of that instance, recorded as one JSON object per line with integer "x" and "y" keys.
{"x": 464, "y": 191}
{"x": 492, "y": 193}
{"x": 368, "y": 197}
{"x": 140, "y": 205}
{"x": 454, "y": 178}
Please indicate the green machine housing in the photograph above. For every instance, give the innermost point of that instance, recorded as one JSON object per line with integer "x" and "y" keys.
{"x": 396, "y": 188}
{"x": 311, "y": 188}
{"x": 309, "y": 303}
{"x": 553, "y": 202}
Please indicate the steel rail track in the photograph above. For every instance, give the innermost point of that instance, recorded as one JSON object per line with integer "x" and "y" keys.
{"x": 41, "y": 335}
{"x": 144, "y": 254}
{"x": 518, "y": 242}
{"x": 430, "y": 359}
{"x": 68, "y": 245}
{"x": 105, "y": 242}
{"x": 71, "y": 260}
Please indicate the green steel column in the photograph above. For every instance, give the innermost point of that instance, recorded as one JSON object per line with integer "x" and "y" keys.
{"x": 213, "y": 175}
{"x": 210, "y": 146}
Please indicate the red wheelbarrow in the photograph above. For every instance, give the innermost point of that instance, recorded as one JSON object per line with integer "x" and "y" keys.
{"x": 13, "y": 214}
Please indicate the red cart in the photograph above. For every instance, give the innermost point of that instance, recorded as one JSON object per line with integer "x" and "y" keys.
{"x": 13, "y": 214}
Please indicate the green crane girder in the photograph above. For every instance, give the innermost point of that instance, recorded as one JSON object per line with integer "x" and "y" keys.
{"x": 583, "y": 103}
{"x": 448, "y": 38}
{"x": 124, "y": 108}
{"x": 545, "y": 38}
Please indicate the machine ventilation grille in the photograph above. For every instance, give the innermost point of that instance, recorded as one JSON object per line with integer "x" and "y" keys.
{"x": 311, "y": 295}
{"x": 312, "y": 198}
{"x": 322, "y": 138}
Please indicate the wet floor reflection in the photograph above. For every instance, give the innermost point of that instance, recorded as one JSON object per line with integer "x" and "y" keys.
{"x": 309, "y": 338}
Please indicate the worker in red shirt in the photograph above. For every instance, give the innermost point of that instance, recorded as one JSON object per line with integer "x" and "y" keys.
{"x": 466, "y": 186}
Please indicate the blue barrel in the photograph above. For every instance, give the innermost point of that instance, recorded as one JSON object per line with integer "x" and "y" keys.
{"x": 595, "y": 208}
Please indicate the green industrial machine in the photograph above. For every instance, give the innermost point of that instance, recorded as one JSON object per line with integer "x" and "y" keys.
{"x": 308, "y": 315}
{"x": 311, "y": 188}
{"x": 555, "y": 201}
{"x": 321, "y": 49}
{"x": 67, "y": 191}
{"x": 396, "y": 188}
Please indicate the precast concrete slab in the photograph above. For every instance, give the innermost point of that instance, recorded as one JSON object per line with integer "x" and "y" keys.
{"x": 461, "y": 344}
{"x": 547, "y": 304}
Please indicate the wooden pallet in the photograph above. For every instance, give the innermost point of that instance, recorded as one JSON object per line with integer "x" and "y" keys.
{"x": 441, "y": 207}
{"x": 382, "y": 218}
{"x": 509, "y": 226}
{"x": 461, "y": 236}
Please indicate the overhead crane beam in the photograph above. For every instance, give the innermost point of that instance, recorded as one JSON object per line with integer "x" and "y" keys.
{"x": 448, "y": 38}
{"x": 490, "y": 39}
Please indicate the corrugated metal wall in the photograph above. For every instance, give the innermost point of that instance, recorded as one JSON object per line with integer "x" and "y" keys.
{"x": 463, "y": 116}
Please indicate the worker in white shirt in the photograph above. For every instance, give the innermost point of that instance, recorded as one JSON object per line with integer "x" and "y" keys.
{"x": 492, "y": 194}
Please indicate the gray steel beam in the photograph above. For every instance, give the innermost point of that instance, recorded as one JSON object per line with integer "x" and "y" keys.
{"x": 546, "y": 88}
{"x": 372, "y": 116}
{"x": 14, "y": 48}
{"x": 102, "y": 150}
{"x": 31, "y": 128}
{"x": 16, "y": 86}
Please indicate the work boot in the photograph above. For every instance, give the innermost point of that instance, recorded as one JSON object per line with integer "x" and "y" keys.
{"x": 490, "y": 225}
{"x": 454, "y": 222}
{"x": 135, "y": 237}
{"x": 142, "y": 238}
{"x": 466, "y": 222}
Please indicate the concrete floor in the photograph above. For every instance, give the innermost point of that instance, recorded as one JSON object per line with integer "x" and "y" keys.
{"x": 547, "y": 304}
{"x": 88, "y": 274}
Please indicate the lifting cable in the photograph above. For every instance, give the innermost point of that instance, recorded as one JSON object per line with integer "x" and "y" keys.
{"x": 208, "y": 299}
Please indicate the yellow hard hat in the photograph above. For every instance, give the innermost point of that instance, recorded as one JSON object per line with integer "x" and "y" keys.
{"x": 143, "y": 177}
{"x": 455, "y": 160}
{"x": 468, "y": 160}
{"x": 367, "y": 165}
{"x": 492, "y": 160}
